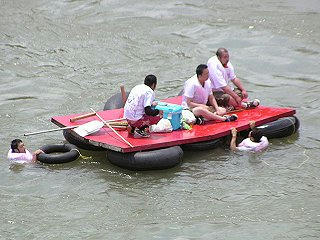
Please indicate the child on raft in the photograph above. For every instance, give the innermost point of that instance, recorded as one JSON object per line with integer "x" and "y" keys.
{"x": 19, "y": 154}
{"x": 254, "y": 143}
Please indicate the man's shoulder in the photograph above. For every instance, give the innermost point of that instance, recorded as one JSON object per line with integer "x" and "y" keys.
{"x": 193, "y": 81}
{"x": 213, "y": 60}
{"x": 141, "y": 88}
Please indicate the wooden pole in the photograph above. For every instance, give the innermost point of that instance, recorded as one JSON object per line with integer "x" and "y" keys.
{"x": 108, "y": 125}
{"x": 82, "y": 117}
{"x": 50, "y": 130}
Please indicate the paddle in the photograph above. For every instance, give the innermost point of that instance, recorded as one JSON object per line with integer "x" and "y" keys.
{"x": 108, "y": 125}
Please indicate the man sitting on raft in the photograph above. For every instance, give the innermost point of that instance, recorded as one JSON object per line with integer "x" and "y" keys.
{"x": 221, "y": 72}
{"x": 255, "y": 141}
{"x": 19, "y": 154}
{"x": 197, "y": 92}
{"x": 138, "y": 111}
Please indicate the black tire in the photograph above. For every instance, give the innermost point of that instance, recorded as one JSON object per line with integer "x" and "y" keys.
{"x": 80, "y": 142}
{"x": 115, "y": 102}
{"x": 147, "y": 160}
{"x": 202, "y": 146}
{"x": 280, "y": 128}
{"x": 68, "y": 152}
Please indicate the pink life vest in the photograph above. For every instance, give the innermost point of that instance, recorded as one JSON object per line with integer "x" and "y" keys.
{"x": 20, "y": 157}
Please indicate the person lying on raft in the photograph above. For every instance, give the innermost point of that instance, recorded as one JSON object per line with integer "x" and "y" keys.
{"x": 138, "y": 108}
{"x": 255, "y": 141}
{"x": 197, "y": 92}
{"x": 19, "y": 154}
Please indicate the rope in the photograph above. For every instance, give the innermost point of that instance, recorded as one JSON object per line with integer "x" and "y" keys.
{"x": 294, "y": 126}
{"x": 82, "y": 156}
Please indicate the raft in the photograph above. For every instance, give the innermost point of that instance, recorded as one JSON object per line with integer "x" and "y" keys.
{"x": 275, "y": 121}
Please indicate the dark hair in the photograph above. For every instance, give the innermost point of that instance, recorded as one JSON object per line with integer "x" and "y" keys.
{"x": 256, "y": 134}
{"x": 15, "y": 143}
{"x": 220, "y": 51}
{"x": 150, "y": 79}
{"x": 200, "y": 69}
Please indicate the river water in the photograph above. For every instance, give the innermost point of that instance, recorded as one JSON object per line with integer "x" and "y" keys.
{"x": 62, "y": 57}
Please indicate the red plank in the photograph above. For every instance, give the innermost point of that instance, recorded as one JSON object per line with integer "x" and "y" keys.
{"x": 211, "y": 130}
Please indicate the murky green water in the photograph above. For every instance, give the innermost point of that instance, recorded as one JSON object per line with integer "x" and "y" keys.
{"x": 62, "y": 57}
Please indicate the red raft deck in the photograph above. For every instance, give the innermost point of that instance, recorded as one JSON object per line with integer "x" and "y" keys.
{"x": 107, "y": 139}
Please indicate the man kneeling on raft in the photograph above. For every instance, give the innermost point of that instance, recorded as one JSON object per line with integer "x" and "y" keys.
{"x": 138, "y": 111}
{"x": 19, "y": 154}
{"x": 197, "y": 92}
{"x": 255, "y": 141}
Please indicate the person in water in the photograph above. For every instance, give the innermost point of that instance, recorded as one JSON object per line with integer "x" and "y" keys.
{"x": 19, "y": 154}
{"x": 255, "y": 141}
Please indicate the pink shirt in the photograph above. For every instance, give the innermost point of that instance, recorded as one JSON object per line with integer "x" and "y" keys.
{"x": 219, "y": 75}
{"x": 20, "y": 157}
{"x": 248, "y": 145}
{"x": 194, "y": 90}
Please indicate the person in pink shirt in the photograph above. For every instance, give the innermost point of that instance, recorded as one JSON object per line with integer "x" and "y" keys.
{"x": 19, "y": 154}
{"x": 254, "y": 143}
{"x": 221, "y": 73}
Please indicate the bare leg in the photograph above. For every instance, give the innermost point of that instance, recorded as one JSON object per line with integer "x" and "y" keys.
{"x": 204, "y": 112}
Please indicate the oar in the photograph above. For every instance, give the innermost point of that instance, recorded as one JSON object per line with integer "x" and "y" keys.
{"x": 108, "y": 125}
{"x": 50, "y": 130}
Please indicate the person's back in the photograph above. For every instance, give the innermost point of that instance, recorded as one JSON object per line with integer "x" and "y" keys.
{"x": 138, "y": 108}
{"x": 137, "y": 99}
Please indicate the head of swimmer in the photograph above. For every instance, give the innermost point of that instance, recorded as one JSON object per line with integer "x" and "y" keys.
{"x": 17, "y": 146}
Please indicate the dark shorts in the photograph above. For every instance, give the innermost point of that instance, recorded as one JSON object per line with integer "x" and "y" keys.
{"x": 145, "y": 121}
{"x": 223, "y": 98}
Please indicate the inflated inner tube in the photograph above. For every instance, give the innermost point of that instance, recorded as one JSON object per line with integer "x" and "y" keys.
{"x": 282, "y": 127}
{"x": 147, "y": 160}
{"x": 80, "y": 142}
{"x": 206, "y": 145}
{"x": 67, "y": 153}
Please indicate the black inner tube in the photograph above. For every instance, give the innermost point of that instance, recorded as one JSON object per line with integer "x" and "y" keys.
{"x": 68, "y": 153}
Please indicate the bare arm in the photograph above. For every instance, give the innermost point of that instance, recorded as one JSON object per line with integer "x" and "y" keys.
{"x": 35, "y": 154}
{"x": 252, "y": 124}
{"x": 238, "y": 83}
{"x": 227, "y": 89}
{"x": 192, "y": 104}
{"x": 219, "y": 110}
{"x": 233, "y": 145}
{"x": 213, "y": 102}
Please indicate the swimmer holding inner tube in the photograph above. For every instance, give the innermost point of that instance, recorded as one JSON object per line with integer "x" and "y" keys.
{"x": 254, "y": 143}
{"x": 19, "y": 154}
